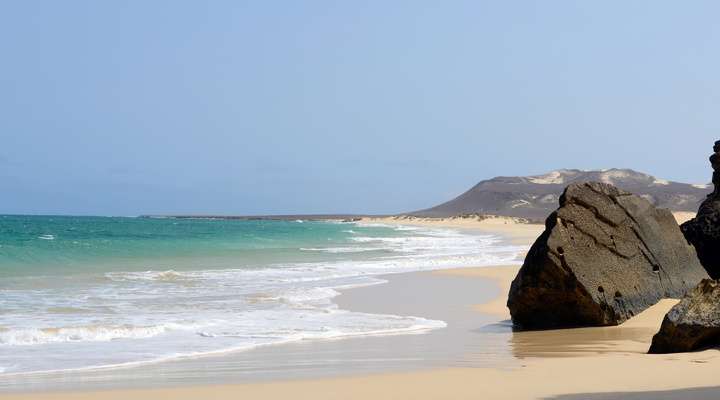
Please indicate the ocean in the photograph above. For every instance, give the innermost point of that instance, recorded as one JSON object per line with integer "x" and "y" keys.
{"x": 106, "y": 292}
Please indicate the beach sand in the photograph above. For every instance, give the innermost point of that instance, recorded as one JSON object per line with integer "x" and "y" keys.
{"x": 683, "y": 216}
{"x": 517, "y": 230}
{"x": 585, "y": 363}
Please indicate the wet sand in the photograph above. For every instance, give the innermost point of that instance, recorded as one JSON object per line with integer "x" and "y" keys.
{"x": 471, "y": 339}
{"x": 607, "y": 361}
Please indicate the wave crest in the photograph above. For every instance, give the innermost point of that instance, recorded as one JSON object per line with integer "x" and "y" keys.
{"x": 162, "y": 276}
{"x": 91, "y": 333}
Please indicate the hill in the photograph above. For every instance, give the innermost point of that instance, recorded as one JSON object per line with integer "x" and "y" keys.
{"x": 534, "y": 197}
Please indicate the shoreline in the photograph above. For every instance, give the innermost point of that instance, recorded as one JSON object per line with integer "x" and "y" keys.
{"x": 356, "y": 356}
{"x": 563, "y": 364}
{"x": 515, "y": 230}
{"x": 268, "y": 359}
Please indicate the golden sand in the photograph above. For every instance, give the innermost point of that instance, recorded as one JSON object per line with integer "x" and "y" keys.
{"x": 518, "y": 230}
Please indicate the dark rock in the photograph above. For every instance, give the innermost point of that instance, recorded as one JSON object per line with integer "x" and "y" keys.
{"x": 693, "y": 324}
{"x": 703, "y": 231}
{"x": 605, "y": 255}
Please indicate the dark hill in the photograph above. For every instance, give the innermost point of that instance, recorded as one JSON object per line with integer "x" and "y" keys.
{"x": 534, "y": 197}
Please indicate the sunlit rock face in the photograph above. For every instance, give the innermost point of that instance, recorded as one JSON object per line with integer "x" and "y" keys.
{"x": 605, "y": 256}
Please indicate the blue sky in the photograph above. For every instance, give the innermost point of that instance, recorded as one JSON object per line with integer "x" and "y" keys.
{"x": 124, "y": 108}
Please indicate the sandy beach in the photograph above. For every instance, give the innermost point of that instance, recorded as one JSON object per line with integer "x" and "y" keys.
{"x": 515, "y": 230}
{"x": 369, "y": 200}
{"x": 602, "y": 363}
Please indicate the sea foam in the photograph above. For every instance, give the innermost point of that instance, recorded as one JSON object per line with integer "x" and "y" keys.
{"x": 128, "y": 317}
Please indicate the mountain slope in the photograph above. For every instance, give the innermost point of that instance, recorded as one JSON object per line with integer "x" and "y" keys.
{"x": 534, "y": 197}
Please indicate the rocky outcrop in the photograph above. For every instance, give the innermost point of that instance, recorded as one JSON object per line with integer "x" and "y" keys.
{"x": 605, "y": 255}
{"x": 693, "y": 324}
{"x": 703, "y": 231}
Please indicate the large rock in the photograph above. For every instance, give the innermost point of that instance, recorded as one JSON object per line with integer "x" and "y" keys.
{"x": 693, "y": 324}
{"x": 704, "y": 230}
{"x": 605, "y": 255}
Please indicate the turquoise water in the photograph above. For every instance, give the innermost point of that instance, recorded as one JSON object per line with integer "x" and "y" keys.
{"x": 34, "y": 245}
{"x": 103, "y": 292}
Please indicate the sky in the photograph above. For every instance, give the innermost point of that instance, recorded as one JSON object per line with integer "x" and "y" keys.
{"x": 275, "y": 107}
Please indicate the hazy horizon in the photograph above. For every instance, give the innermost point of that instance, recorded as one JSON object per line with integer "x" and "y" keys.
{"x": 243, "y": 108}
{"x": 298, "y": 215}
